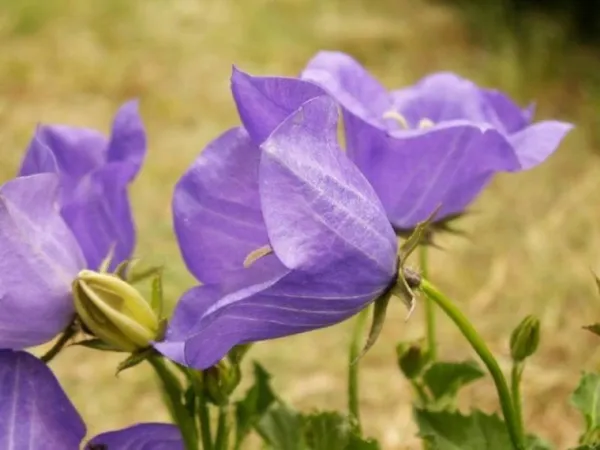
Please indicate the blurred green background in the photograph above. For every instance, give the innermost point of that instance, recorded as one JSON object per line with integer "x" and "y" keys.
{"x": 533, "y": 237}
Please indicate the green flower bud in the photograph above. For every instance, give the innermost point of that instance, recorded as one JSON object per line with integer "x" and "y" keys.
{"x": 524, "y": 339}
{"x": 114, "y": 311}
{"x": 411, "y": 359}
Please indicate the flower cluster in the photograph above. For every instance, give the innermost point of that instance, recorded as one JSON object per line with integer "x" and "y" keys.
{"x": 287, "y": 229}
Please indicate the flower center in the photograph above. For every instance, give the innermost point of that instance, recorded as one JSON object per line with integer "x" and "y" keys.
{"x": 401, "y": 120}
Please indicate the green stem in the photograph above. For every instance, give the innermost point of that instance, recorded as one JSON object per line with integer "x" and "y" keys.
{"x": 515, "y": 387}
{"x": 64, "y": 338}
{"x": 172, "y": 391}
{"x": 353, "y": 382}
{"x": 486, "y": 356}
{"x": 428, "y": 306}
{"x": 203, "y": 413}
{"x": 222, "y": 429}
{"x": 420, "y": 391}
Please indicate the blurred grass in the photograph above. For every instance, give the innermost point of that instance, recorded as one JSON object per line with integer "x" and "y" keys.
{"x": 533, "y": 237}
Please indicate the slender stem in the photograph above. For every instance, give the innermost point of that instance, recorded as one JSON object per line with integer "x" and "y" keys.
{"x": 172, "y": 391}
{"x": 486, "y": 356}
{"x": 64, "y": 338}
{"x": 515, "y": 387}
{"x": 429, "y": 307}
{"x": 222, "y": 429}
{"x": 203, "y": 413}
{"x": 353, "y": 381}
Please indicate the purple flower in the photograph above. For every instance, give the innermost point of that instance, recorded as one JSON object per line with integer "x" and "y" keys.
{"x": 297, "y": 194}
{"x": 34, "y": 410}
{"x": 64, "y": 213}
{"x": 39, "y": 259}
{"x": 438, "y": 142}
{"x": 94, "y": 173}
{"x": 35, "y": 413}
{"x": 143, "y": 436}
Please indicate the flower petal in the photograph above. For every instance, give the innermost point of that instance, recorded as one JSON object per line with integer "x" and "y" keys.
{"x": 274, "y": 302}
{"x": 510, "y": 117}
{"x": 441, "y": 97}
{"x": 216, "y": 208}
{"x": 99, "y": 213}
{"x": 68, "y": 151}
{"x": 39, "y": 259}
{"x": 537, "y": 142}
{"x": 143, "y": 436}
{"x": 264, "y": 102}
{"x": 350, "y": 84}
{"x": 317, "y": 206}
{"x": 414, "y": 172}
{"x": 128, "y": 138}
{"x": 35, "y": 412}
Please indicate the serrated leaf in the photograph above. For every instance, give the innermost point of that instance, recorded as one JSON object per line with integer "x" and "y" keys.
{"x": 444, "y": 430}
{"x": 327, "y": 431}
{"x": 586, "y": 399}
{"x": 98, "y": 344}
{"x": 254, "y": 405}
{"x": 281, "y": 429}
{"x": 334, "y": 431}
{"x": 444, "y": 379}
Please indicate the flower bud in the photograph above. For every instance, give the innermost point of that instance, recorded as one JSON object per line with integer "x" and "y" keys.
{"x": 411, "y": 359}
{"x": 525, "y": 338}
{"x": 114, "y": 311}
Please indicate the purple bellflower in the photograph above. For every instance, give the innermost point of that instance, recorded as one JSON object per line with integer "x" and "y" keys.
{"x": 35, "y": 413}
{"x": 94, "y": 173}
{"x": 328, "y": 249}
{"x": 438, "y": 142}
{"x": 63, "y": 214}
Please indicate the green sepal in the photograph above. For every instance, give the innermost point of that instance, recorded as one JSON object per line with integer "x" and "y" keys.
{"x": 98, "y": 344}
{"x": 379, "y": 312}
{"x": 135, "y": 358}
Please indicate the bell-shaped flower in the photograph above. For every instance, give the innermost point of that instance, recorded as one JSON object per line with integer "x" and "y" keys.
{"x": 292, "y": 231}
{"x": 94, "y": 172}
{"x": 35, "y": 413}
{"x": 438, "y": 142}
{"x": 66, "y": 212}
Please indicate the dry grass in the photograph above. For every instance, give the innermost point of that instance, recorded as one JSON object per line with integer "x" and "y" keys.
{"x": 532, "y": 242}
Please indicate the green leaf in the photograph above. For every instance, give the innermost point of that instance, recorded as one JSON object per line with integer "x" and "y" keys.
{"x": 282, "y": 429}
{"x": 586, "y": 399}
{"x": 333, "y": 431}
{"x": 444, "y": 379}
{"x": 587, "y": 447}
{"x": 254, "y": 405}
{"x": 444, "y": 430}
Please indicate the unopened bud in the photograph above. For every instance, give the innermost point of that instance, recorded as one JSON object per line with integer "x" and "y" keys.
{"x": 411, "y": 359}
{"x": 525, "y": 338}
{"x": 114, "y": 311}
